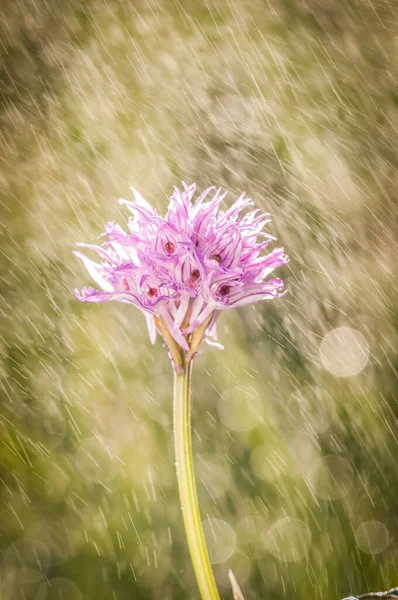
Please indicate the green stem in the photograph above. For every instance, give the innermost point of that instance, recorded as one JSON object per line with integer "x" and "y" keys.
{"x": 187, "y": 487}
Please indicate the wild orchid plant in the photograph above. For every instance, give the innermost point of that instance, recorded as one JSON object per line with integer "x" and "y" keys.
{"x": 182, "y": 271}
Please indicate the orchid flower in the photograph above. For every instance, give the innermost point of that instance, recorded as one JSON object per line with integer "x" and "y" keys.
{"x": 183, "y": 271}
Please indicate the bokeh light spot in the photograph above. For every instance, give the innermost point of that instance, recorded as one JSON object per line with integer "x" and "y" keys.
{"x": 331, "y": 477}
{"x": 267, "y": 462}
{"x": 304, "y": 451}
{"x": 241, "y": 568}
{"x": 372, "y": 537}
{"x": 213, "y": 475}
{"x": 289, "y": 539}
{"x": 310, "y": 409}
{"x": 156, "y": 399}
{"x": 27, "y": 553}
{"x": 58, "y": 589}
{"x": 240, "y": 409}
{"x": 220, "y": 539}
{"x": 54, "y": 536}
{"x": 96, "y": 460}
{"x": 344, "y": 351}
{"x": 20, "y": 584}
{"x": 251, "y": 533}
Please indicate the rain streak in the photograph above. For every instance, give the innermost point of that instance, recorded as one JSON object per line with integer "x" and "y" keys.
{"x": 294, "y": 422}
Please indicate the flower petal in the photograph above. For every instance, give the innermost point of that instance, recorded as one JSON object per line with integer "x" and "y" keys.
{"x": 96, "y": 272}
{"x": 182, "y": 271}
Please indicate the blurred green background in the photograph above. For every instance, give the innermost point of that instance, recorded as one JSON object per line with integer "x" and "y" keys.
{"x": 295, "y": 422}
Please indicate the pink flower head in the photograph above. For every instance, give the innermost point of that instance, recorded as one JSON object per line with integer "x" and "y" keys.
{"x": 184, "y": 269}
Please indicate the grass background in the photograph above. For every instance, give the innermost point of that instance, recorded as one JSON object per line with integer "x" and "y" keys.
{"x": 296, "y": 103}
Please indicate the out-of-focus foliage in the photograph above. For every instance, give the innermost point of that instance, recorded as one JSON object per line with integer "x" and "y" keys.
{"x": 295, "y": 422}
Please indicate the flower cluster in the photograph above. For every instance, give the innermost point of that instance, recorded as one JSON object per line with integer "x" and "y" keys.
{"x": 183, "y": 270}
